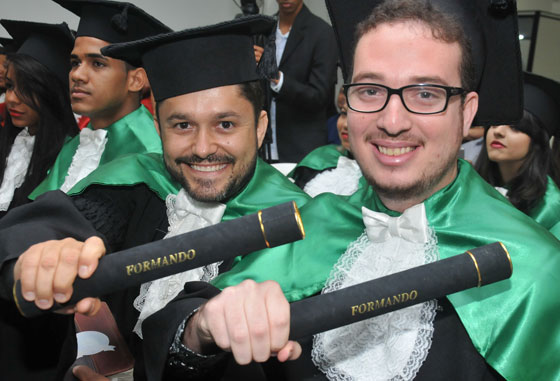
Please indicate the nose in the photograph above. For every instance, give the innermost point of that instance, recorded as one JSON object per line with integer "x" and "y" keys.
{"x": 205, "y": 143}
{"x": 11, "y": 97}
{"x": 394, "y": 119}
{"x": 498, "y": 131}
{"x": 78, "y": 73}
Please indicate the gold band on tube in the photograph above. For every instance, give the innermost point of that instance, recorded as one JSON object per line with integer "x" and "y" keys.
{"x": 262, "y": 228}
{"x": 477, "y": 269}
{"x": 16, "y": 300}
{"x": 298, "y": 220}
{"x": 508, "y": 257}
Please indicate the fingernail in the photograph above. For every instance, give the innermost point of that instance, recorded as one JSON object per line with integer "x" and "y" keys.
{"x": 29, "y": 295}
{"x": 60, "y": 297}
{"x": 43, "y": 303}
{"x": 83, "y": 271}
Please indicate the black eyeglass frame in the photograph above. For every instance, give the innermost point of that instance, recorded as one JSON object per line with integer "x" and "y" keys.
{"x": 449, "y": 91}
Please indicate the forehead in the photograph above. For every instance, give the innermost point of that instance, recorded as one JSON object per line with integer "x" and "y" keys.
{"x": 209, "y": 102}
{"x": 402, "y": 53}
{"x": 88, "y": 45}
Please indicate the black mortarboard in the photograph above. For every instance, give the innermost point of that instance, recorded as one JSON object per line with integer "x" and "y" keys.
{"x": 113, "y": 21}
{"x": 49, "y": 44}
{"x": 8, "y": 45}
{"x": 490, "y": 25}
{"x": 197, "y": 59}
{"x": 542, "y": 99}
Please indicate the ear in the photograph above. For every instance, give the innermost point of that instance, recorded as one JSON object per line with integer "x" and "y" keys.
{"x": 136, "y": 80}
{"x": 262, "y": 125}
{"x": 470, "y": 106}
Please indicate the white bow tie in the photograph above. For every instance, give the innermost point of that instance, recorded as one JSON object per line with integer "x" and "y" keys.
{"x": 411, "y": 225}
{"x": 192, "y": 212}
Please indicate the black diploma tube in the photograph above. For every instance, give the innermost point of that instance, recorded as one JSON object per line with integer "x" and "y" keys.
{"x": 478, "y": 267}
{"x": 269, "y": 227}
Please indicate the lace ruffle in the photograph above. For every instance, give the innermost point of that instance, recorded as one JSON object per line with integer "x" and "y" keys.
{"x": 184, "y": 215}
{"x": 392, "y": 346}
{"x": 17, "y": 164}
{"x": 342, "y": 180}
{"x": 86, "y": 158}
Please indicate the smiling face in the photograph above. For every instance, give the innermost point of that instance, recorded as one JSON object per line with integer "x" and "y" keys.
{"x": 21, "y": 113}
{"x": 407, "y": 157}
{"x": 99, "y": 85}
{"x": 210, "y": 141}
{"x": 506, "y": 144}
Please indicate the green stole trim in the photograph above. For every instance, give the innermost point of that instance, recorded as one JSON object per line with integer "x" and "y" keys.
{"x": 465, "y": 214}
{"x": 131, "y": 170}
{"x": 134, "y": 133}
{"x": 547, "y": 211}
{"x": 321, "y": 158}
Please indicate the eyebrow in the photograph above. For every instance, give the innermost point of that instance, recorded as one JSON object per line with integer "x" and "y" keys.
{"x": 437, "y": 80}
{"x": 91, "y": 55}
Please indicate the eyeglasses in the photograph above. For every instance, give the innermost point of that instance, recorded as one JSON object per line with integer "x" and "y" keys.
{"x": 418, "y": 99}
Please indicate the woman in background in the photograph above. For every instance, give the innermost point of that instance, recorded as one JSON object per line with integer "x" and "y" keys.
{"x": 518, "y": 160}
{"x": 39, "y": 116}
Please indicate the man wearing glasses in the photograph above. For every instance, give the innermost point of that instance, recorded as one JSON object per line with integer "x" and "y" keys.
{"x": 415, "y": 87}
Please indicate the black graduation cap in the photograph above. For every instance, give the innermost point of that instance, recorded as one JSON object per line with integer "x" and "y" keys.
{"x": 49, "y": 44}
{"x": 542, "y": 99}
{"x": 197, "y": 59}
{"x": 490, "y": 25}
{"x": 113, "y": 21}
{"x": 8, "y": 45}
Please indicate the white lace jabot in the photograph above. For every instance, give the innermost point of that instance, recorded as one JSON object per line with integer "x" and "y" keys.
{"x": 17, "y": 164}
{"x": 86, "y": 158}
{"x": 392, "y": 346}
{"x": 184, "y": 214}
{"x": 342, "y": 180}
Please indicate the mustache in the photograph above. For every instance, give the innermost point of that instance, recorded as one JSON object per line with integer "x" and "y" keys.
{"x": 194, "y": 159}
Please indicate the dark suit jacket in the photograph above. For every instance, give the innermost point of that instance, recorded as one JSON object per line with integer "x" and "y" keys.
{"x": 309, "y": 67}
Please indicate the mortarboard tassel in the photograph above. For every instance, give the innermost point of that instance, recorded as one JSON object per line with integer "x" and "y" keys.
{"x": 268, "y": 67}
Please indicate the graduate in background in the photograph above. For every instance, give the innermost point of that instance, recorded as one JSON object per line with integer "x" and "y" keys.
{"x": 39, "y": 118}
{"x": 518, "y": 160}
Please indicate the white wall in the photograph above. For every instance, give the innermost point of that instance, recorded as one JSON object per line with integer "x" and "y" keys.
{"x": 177, "y": 14}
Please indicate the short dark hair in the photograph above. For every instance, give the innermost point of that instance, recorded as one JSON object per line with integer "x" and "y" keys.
{"x": 443, "y": 26}
{"x": 529, "y": 185}
{"x": 254, "y": 93}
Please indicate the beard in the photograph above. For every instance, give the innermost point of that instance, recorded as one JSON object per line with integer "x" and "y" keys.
{"x": 204, "y": 190}
{"x": 430, "y": 181}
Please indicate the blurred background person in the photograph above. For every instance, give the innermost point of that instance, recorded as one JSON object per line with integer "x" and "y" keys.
{"x": 330, "y": 168}
{"x": 6, "y": 46}
{"x": 518, "y": 159}
{"x": 39, "y": 117}
{"x": 304, "y": 91}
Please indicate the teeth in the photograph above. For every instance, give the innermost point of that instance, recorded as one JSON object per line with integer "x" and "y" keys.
{"x": 206, "y": 168}
{"x": 394, "y": 151}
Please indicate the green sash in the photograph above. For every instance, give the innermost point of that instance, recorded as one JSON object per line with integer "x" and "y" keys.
{"x": 513, "y": 323}
{"x": 321, "y": 158}
{"x": 134, "y": 133}
{"x": 547, "y": 211}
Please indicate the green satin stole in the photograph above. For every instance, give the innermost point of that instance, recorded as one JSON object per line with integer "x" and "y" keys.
{"x": 134, "y": 133}
{"x": 513, "y": 323}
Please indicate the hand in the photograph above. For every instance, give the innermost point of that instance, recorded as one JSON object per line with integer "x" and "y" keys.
{"x": 252, "y": 320}
{"x": 85, "y": 373}
{"x": 47, "y": 271}
{"x": 258, "y": 52}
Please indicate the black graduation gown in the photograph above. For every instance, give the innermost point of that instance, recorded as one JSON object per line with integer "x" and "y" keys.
{"x": 452, "y": 355}
{"x": 122, "y": 216}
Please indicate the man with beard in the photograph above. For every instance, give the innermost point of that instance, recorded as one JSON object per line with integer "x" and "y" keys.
{"x": 106, "y": 90}
{"x": 211, "y": 124}
{"x": 414, "y": 87}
